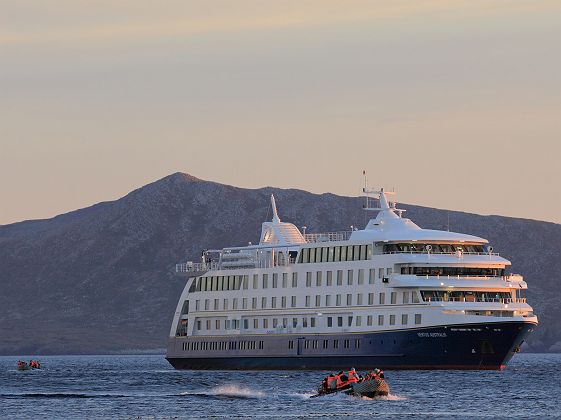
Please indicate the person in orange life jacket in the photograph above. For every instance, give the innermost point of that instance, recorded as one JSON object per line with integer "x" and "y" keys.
{"x": 353, "y": 377}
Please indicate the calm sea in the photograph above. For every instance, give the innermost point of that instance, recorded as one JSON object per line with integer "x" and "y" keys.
{"x": 147, "y": 387}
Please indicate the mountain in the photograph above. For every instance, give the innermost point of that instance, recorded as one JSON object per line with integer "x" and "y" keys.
{"x": 101, "y": 279}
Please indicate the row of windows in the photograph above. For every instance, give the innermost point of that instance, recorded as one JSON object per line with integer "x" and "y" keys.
{"x": 220, "y": 283}
{"x": 442, "y": 295}
{"x": 234, "y": 324}
{"x": 223, "y": 345}
{"x": 434, "y": 248}
{"x": 453, "y": 271}
{"x": 335, "y": 254}
{"x": 275, "y": 302}
{"x": 315, "y": 344}
{"x": 304, "y": 322}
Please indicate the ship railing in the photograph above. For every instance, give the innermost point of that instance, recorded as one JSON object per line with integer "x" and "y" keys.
{"x": 476, "y": 300}
{"x": 442, "y": 253}
{"x": 327, "y": 236}
{"x": 190, "y": 267}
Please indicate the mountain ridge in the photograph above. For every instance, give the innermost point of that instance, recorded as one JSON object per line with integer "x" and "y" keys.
{"x": 96, "y": 274}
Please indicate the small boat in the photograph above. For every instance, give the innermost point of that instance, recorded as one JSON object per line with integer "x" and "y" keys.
{"x": 371, "y": 385}
{"x": 33, "y": 364}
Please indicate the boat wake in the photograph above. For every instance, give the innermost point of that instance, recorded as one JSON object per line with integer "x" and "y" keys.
{"x": 228, "y": 391}
{"x": 389, "y": 397}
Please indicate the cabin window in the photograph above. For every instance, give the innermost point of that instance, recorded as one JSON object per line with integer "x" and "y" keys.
{"x": 346, "y": 344}
{"x": 312, "y": 322}
{"x": 225, "y": 304}
{"x": 275, "y": 322}
{"x": 214, "y": 283}
{"x": 327, "y": 300}
{"x": 324, "y": 254}
{"x": 208, "y": 326}
{"x": 338, "y": 300}
{"x": 337, "y": 254}
{"x": 198, "y": 325}
{"x": 217, "y": 324}
{"x": 207, "y": 304}
{"x": 285, "y": 322}
{"x": 235, "y": 303}
{"x": 294, "y": 279}
{"x": 275, "y": 280}
{"x": 216, "y": 303}
{"x": 404, "y": 319}
{"x": 329, "y": 321}
{"x": 253, "y": 303}
{"x": 283, "y": 302}
{"x": 361, "y": 276}
{"x": 244, "y": 303}
{"x": 294, "y": 322}
{"x": 307, "y": 301}
{"x": 371, "y": 298}
{"x": 227, "y": 324}
{"x": 318, "y": 278}
{"x": 388, "y": 271}
{"x": 318, "y": 300}
{"x": 308, "y": 279}
{"x": 245, "y": 282}
{"x": 350, "y": 321}
{"x": 273, "y": 302}
{"x": 330, "y": 278}
{"x": 359, "y": 299}
{"x": 358, "y": 321}
{"x": 350, "y": 277}
{"x": 339, "y": 277}
{"x": 349, "y": 299}
{"x": 405, "y": 297}
{"x": 304, "y": 322}
{"x": 382, "y": 298}
{"x": 325, "y": 343}
{"x": 265, "y": 323}
{"x": 245, "y": 324}
{"x": 331, "y": 252}
{"x": 417, "y": 319}
{"x": 380, "y": 273}
{"x": 339, "y": 321}
{"x": 369, "y": 320}
{"x": 255, "y": 281}
{"x": 237, "y": 282}
{"x": 312, "y": 255}
{"x": 265, "y": 281}
{"x": 263, "y": 303}
{"x": 356, "y": 253}
{"x": 392, "y": 319}
{"x": 305, "y": 255}
{"x": 371, "y": 275}
{"x": 414, "y": 297}
{"x": 380, "y": 319}
{"x": 393, "y": 298}
{"x": 284, "y": 280}
{"x": 344, "y": 253}
{"x": 335, "y": 344}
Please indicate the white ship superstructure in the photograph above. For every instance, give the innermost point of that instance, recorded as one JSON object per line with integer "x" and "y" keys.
{"x": 392, "y": 295}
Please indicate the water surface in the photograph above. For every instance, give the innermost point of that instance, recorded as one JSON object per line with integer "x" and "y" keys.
{"x": 147, "y": 386}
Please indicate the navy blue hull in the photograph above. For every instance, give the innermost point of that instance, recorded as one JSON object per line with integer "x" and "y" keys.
{"x": 472, "y": 346}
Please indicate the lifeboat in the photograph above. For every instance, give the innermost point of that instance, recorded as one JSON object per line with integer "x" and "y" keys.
{"x": 33, "y": 364}
{"x": 371, "y": 385}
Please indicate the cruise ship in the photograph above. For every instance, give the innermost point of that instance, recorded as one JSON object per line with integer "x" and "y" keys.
{"x": 392, "y": 296}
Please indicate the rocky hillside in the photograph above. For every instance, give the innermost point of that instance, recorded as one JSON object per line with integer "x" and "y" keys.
{"x": 100, "y": 279}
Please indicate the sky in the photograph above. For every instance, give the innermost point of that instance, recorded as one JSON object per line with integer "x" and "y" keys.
{"x": 455, "y": 104}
